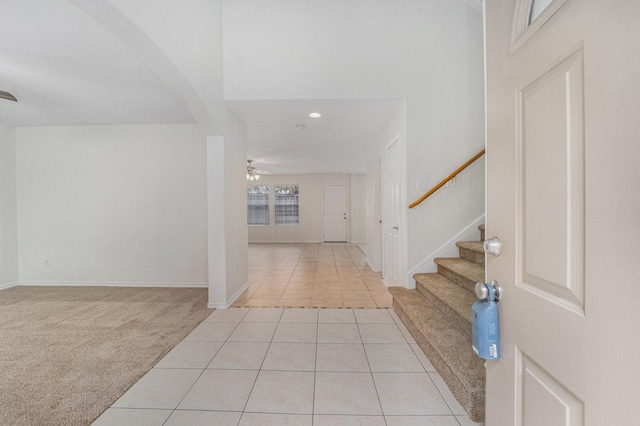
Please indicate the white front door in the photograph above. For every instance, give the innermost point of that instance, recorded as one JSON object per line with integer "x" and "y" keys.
{"x": 335, "y": 213}
{"x": 563, "y": 157}
{"x": 391, "y": 256}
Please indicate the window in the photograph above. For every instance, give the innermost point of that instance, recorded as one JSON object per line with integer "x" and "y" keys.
{"x": 286, "y": 204}
{"x": 537, "y": 7}
{"x": 257, "y": 204}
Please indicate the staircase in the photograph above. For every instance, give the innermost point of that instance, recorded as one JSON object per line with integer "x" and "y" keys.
{"x": 438, "y": 315}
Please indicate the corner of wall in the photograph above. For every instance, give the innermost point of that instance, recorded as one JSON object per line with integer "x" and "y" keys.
{"x": 9, "y": 261}
{"x": 448, "y": 249}
{"x": 8, "y": 285}
{"x": 232, "y": 299}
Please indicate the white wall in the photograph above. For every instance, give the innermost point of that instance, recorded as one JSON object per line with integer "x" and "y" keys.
{"x": 112, "y": 204}
{"x": 8, "y": 208}
{"x": 188, "y": 34}
{"x": 310, "y": 208}
{"x": 428, "y": 52}
{"x": 451, "y": 131}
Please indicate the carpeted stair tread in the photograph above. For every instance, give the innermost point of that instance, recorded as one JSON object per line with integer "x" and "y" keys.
{"x": 446, "y": 346}
{"x": 461, "y": 271}
{"x": 451, "y": 299}
{"x": 477, "y": 246}
{"x": 472, "y": 250}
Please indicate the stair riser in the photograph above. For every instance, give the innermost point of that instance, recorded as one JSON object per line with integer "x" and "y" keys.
{"x": 472, "y": 256}
{"x": 462, "y": 281}
{"x": 472, "y": 402}
{"x": 463, "y": 323}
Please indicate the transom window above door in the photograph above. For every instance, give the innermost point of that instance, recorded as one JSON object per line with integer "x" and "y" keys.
{"x": 530, "y": 17}
{"x": 537, "y": 7}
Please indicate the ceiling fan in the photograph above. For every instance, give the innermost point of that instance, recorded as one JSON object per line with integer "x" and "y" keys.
{"x": 8, "y": 96}
{"x": 252, "y": 173}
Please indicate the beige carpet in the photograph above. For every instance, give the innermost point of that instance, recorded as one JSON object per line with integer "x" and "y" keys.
{"x": 67, "y": 353}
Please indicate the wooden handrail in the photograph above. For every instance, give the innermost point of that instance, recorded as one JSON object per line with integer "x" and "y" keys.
{"x": 447, "y": 179}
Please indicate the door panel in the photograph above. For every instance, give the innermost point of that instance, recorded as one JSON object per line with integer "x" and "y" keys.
{"x": 551, "y": 184}
{"x": 543, "y": 400}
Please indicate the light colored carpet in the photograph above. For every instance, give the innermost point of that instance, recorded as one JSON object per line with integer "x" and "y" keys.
{"x": 67, "y": 353}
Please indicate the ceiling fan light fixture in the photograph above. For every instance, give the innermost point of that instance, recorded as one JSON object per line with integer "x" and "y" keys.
{"x": 252, "y": 174}
{"x": 8, "y": 96}
{"x": 315, "y": 115}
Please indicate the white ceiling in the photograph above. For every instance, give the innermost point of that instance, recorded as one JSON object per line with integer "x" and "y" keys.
{"x": 66, "y": 69}
{"x": 333, "y": 143}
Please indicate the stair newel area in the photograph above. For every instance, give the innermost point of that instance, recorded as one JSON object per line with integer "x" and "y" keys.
{"x": 438, "y": 315}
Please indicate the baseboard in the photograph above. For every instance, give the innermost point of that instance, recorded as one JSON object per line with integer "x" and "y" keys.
{"x": 231, "y": 300}
{"x": 110, "y": 284}
{"x": 286, "y": 242}
{"x": 8, "y": 285}
{"x": 371, "y": 266}
{"x": 448, "y": 249}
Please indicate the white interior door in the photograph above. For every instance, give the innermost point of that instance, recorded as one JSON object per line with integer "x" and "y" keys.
{"x": 335, "y": 213}
{"x": 562, "y": 150}
{"x": 391, "y": 256}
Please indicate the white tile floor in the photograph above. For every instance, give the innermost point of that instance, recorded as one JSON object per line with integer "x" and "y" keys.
{"x": 275, "y": 366}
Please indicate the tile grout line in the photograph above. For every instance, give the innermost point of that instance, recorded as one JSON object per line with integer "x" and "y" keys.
{"x": 202, "y": 372}
{"x": 244, "y": 408}
{"x": 315, "y": 369}
{"x": 364, "y": 349}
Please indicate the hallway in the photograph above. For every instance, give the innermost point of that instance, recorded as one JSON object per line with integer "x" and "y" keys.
{"x": 328, "y": 275}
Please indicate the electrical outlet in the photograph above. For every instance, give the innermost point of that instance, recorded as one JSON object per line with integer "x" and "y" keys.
{"x": 46, "y": 262}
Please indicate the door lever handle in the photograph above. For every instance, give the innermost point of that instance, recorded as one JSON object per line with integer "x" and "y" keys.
{"x": 395, "y": 227}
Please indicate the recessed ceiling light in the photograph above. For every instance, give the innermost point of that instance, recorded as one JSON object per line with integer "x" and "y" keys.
{"x": 315, "y": 115}
{"x": 300, "y": 126}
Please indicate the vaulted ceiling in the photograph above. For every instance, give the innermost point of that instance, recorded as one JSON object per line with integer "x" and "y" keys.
{"x": 67, "y": 69}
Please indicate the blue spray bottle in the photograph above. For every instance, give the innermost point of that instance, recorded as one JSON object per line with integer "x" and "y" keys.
{"x": 484, "y": 321}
